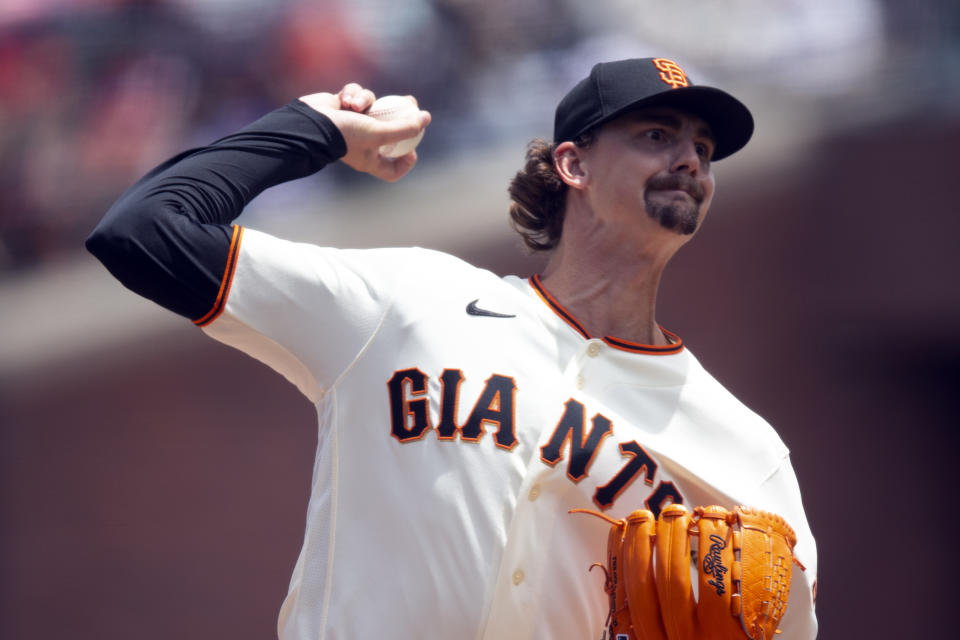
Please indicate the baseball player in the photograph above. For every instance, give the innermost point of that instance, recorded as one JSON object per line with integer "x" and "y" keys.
{"x": 461, "y": 414}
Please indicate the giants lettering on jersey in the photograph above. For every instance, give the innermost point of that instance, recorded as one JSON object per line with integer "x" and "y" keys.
{"x": 494, "y": 409}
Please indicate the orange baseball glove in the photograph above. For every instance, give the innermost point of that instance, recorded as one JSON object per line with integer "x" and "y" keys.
{"x": 744, "y": 561}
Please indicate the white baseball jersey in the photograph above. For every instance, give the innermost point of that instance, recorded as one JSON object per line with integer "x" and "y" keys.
{"x": 461, "y": 415}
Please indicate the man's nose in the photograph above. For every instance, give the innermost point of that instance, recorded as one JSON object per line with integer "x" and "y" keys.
{"x": 686, "y": 158}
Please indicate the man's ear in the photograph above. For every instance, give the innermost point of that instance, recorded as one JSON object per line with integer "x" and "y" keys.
{"x": 568, "y": 160}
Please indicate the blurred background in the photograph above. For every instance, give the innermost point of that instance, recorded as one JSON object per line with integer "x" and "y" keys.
{"x": 153, "y": 483}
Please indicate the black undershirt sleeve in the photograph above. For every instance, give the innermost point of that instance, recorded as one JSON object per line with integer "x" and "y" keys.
{"x": 168, "y": 237}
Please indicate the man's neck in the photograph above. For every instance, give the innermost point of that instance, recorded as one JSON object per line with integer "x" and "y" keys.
{"x": 609, "y": 299}
{"x": 610, "y": 285}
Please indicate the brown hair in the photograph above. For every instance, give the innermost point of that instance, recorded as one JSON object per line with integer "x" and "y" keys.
{"x": 540, "y": 196}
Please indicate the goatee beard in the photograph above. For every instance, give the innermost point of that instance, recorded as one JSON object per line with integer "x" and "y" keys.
{"x": 679, "y": 217}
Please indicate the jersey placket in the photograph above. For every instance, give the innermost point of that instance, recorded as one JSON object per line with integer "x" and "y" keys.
{"x": 543, "y": 501}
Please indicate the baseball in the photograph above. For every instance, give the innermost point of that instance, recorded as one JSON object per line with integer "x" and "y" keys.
{"x": 390, "y": 108}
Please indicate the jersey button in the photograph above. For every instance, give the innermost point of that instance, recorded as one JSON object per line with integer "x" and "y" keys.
{"x": 534, "y": 492}
{"x": 518, "y": 576}
{"x": 593, "y": 349}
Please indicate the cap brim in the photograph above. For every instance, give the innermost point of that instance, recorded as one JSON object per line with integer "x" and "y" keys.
{"x": 729, "y": 119}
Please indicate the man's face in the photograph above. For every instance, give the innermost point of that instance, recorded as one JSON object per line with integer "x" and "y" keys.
{"x": 655, "y": 162}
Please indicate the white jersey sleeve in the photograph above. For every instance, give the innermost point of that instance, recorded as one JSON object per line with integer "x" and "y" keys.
{"x": 306, "y": 311}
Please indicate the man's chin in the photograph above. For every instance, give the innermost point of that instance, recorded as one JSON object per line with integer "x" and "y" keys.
{"x": 680, "y": 218}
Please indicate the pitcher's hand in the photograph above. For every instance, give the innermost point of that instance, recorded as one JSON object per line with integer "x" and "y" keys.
{"x": 365, "y": 135}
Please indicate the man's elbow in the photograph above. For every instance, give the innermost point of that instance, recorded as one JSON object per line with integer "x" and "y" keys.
{"x": 110, "y": 241}
{"x": 126, "y": 242}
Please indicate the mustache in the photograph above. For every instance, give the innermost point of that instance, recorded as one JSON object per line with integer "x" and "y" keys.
{"x": 681, "y": 182}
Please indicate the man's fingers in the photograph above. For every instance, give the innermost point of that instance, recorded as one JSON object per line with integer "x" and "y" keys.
{"x": 365, "y": 135}
{"x": 349, "y": 90}
{"x": 392, "y": 169}
{"x": 356, "y": 98}
{"x": 402, "y": 128}
{"x": 321, "y": 101}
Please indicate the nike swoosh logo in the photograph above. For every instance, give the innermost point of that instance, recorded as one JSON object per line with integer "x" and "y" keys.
{"x": 474, "y": 310}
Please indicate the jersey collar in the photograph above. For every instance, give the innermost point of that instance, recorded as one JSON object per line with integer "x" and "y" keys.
{"x": 617, "y": 343}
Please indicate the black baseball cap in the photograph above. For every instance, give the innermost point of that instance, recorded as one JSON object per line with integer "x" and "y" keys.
{"x": 613, "y": 88}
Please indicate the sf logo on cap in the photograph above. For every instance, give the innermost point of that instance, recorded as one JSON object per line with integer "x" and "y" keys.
{"x": 671, "y": 73}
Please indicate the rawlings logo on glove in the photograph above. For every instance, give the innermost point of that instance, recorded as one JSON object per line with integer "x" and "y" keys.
{"x": 744, "y": 563}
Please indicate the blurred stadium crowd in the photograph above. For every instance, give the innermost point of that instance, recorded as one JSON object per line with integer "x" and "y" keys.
{"x": 95, "y": 92}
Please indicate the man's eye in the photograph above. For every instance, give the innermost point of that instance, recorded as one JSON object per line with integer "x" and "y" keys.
{"x": 656, "y": 134}
{"x": 703, "y": 151}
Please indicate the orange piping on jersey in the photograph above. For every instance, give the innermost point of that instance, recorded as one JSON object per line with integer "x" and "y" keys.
{"x": 626, "y": 345}
{"x": 565, "y": 315}
{"x": 616, "y": 343}
{"x": 225, "y": 282}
